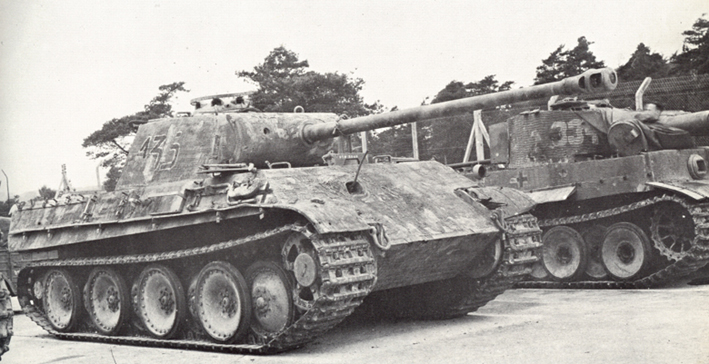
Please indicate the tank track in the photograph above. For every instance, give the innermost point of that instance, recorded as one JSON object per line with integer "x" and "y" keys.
{"x": 696, "y": 257}
{"x": 522, "y": 239}
{"x": 460, "y": 295}
{"x": 341, "y": 294}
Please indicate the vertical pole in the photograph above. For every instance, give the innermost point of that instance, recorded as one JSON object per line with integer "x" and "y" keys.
{"x": 7, "y": 184}
{"x": 98, "y": 179}
{"x": 481, "y": 135}
{"x": 363, "y": 136}
{"x": 471, "y": 141}
{"x": 415, "y": 140}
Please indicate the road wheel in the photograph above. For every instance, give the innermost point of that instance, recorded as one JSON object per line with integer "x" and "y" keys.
{"x": 271, "y": 298}
{"x": 107, "y": 300}
{"x": 159, "y": 300}
{"x": 563, "y": 253}
{"x": 625, "y": 252}
{"x": 222, "y": 301}
{"x": 538, "y": 271}
{"x": 593, "y": 237}
{"x": 62, "y": 300}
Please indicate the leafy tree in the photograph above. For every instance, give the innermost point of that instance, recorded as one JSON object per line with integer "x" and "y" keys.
{"x": 284, "y": 83}
{"x": 643, "y": 64}
{"x": 110, "y": 144}
{"x": 695, "y": 51}
{"x": 453, "y": 91}
{"x": 112, "y": 176}
{"x": 565, "y": 63}
{"x": 457, "y": 90}
{"x": 394, "y": 141}
{"x": 46, "y": 193}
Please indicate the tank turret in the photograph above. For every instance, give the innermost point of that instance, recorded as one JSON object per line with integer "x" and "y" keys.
{"x": 224, "y": 131}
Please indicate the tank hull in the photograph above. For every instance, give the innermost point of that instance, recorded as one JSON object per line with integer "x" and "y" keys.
{"x": 657, "y": 200}
{"x": 407, "y": 225}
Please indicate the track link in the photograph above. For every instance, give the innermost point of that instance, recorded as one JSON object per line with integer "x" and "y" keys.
{"x": 695, "y": 258}
{"x": 342, "y": 293}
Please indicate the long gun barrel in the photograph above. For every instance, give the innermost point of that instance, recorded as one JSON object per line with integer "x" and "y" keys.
{"x": 596, "y": 80}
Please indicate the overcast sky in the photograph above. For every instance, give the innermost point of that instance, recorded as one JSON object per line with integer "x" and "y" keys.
{"x": 68, "y": 66}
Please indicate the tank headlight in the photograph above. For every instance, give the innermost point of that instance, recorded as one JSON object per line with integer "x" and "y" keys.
{"x": 697, "y": 166}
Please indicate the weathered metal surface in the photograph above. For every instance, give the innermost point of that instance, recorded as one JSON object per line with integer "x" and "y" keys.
{"x": 168, "y": 150}
{"x": 569, "y": 136}
{"x": 548, "y": 137}
{"x": 413, "y": 201}
{"x": 673, "y": 165}
{"x": 591, "y": 178}
{"x": 604, "y": 177}
{"x": 695, "y": 190}
{"x": 594, "y": 164}
{"x": 552, "y": 194}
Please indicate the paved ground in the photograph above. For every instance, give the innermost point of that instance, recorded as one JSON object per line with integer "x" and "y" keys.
{"x": 668, "y": 325}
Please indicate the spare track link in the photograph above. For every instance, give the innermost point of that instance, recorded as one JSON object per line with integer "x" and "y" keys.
{"x": 522, "y": 239}
{"x": 341, "y": 294}
{"x": 696, "y": 257}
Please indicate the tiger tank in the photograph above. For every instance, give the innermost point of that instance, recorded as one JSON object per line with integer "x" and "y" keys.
{"x": 622, "y": 195}
{"x": 249, "y": 232}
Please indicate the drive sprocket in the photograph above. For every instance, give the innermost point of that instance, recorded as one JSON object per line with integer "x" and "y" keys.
{"x": 671, "y": 229}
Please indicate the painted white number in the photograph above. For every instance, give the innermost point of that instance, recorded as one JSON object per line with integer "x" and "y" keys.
{"x": 156, "y": 152}
{"x": 572, "y": 133}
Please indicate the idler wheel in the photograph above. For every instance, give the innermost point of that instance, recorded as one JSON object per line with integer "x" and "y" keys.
{"x": 271, "y": 298}
{"x": 222, "y": 302}
{"x": 107, "y": 300}
{"x": 487, "y": 261}
{"x": 625, "y": 252}
{"x": 305, "y": 269}
{"x": 563, "y": 253}
{"x": 593, "y": 236}
{"x": 672, "y": 230}
{"x": 300, "y": 259}
{"x": 159, "y": 300}
{"x": 62, "y": 300}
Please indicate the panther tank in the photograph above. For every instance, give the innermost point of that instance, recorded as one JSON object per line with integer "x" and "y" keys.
{"x": 623, "y": 195}
{"x": 240, "y": 231}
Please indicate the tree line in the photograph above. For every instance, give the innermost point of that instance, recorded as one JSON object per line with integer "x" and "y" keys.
{"x": 284, "y": 81}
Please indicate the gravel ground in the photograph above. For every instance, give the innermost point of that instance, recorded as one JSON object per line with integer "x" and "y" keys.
{"x": 668, "y": 325}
